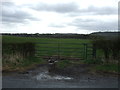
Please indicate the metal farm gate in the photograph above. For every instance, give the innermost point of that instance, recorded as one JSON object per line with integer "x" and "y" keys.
{"x": 62, "y": 51}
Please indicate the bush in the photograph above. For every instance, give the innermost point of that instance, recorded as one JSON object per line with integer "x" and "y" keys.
{"x": 109, "y": 47}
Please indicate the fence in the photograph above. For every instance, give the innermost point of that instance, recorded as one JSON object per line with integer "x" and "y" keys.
{"x": 78, "y": 51}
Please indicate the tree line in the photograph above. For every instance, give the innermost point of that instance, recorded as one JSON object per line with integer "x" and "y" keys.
{"x": 56, "y": 35}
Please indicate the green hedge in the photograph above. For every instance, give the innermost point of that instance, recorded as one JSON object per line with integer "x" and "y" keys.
{"x": 14, "y": 52}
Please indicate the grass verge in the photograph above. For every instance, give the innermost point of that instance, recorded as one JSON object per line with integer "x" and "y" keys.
{"x": 24, "y": 65}
{"x": 106, "y": 68}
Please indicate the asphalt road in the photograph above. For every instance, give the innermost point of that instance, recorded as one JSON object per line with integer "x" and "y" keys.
{"x": 41, "y": 78}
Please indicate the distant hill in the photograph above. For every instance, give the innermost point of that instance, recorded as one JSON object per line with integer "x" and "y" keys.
{"x": 106, "y": 34}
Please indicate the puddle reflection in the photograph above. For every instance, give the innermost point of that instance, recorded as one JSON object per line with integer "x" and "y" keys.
{"x": 47, "y": 76}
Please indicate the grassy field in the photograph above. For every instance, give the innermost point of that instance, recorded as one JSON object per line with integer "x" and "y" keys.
{"x": 52, "y": 46}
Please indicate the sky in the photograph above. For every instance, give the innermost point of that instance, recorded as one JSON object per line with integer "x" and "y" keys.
{"x": 58, "y": 16}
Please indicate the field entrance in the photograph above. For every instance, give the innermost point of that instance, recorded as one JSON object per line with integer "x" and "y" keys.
{"x": 64, "y": 50}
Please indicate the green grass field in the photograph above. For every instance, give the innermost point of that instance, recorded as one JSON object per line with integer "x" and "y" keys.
{"x": 53, "y": 46}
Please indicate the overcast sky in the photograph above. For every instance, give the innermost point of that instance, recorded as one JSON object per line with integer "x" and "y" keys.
{"x": 59, "y": 16}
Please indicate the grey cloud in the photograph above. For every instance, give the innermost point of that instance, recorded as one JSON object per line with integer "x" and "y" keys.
{"x": 100, "y": 11}
{"x": 60, "y": 7}
{"x": 90, "y": 24}
{"x": 7, "y": 3}
{"x": 95, "y": 11}
{"x": 73, "y": 9}
{"x": 14, "y": 14}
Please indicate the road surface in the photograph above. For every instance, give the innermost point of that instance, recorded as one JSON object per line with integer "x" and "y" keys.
{"x": 41, "y": 78}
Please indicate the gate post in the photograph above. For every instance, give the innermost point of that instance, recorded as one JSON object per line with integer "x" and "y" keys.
{"x": 85, "y": 51}
{"x": 94, "y": 51}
